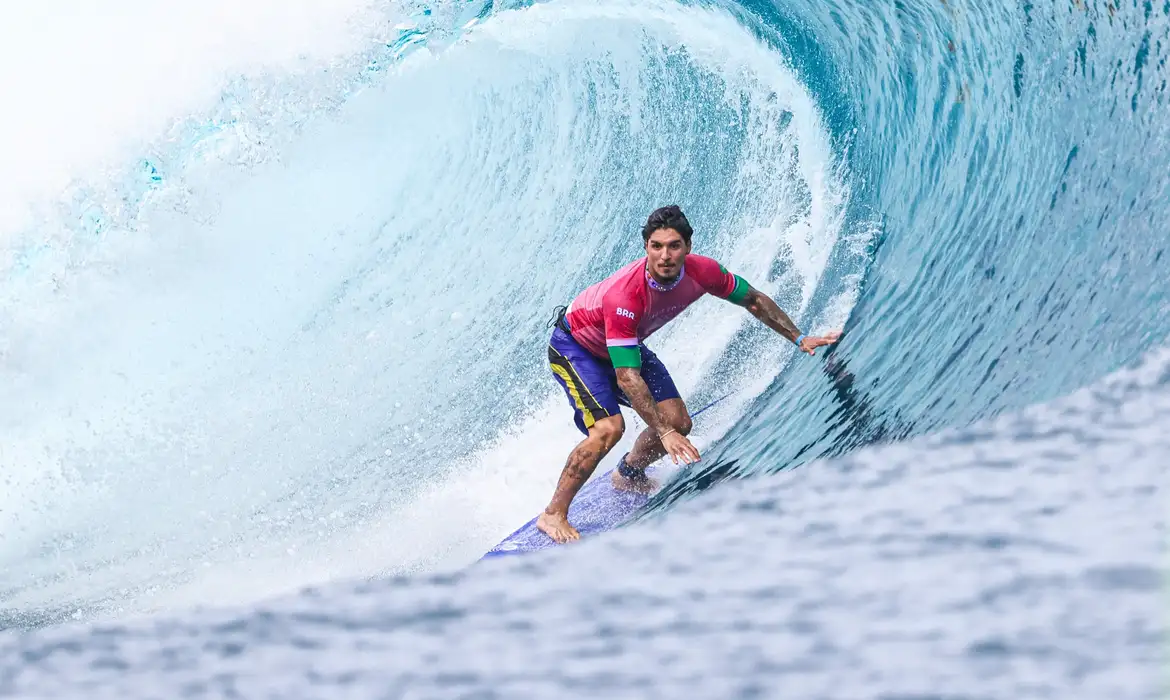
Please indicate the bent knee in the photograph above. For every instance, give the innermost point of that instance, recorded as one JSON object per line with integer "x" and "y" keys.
{"x": 608, "y": 431}
{"x": 683, "y": 425}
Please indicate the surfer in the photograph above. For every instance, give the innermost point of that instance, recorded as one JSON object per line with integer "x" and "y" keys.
{"x": 597, "y": 355}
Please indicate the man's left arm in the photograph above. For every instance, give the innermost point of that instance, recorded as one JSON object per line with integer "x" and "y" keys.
{"x": 718, "y": 281}
{"x": 762, "y": 307}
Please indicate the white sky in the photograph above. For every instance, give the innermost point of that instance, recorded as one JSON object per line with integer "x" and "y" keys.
{"x": 84, "y": 82}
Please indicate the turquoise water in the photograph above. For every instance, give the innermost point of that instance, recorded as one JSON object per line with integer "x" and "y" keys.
{"x": 296, "y": 341}
{"x": 1008, "y": 150}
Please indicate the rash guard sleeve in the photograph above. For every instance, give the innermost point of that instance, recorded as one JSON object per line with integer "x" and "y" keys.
{"x": 716, "y": 280}
{"x": 621, "y": 331}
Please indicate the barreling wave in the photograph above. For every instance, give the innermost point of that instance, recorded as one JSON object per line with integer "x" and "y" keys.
{"x": 299, "y": 336}
{"x": 251, "y": 369}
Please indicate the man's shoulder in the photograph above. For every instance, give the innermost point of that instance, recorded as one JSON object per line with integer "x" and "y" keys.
{"x": 631, "y": 270}
{"x": 710, "y": 276}
{"x": 627, "y": 285}
{"x": 702, "y": 263}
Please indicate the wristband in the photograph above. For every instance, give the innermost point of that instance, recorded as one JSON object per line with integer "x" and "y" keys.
{"x": 668, "y": 432}
{"x": 799, "y": 338}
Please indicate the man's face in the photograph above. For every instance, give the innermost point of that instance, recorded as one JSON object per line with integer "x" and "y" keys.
{"x": 666, "y": 252}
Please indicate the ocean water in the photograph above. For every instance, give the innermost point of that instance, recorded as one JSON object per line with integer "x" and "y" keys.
{"x": 274, "y": 286}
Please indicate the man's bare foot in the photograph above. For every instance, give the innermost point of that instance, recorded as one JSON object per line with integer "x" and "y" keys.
{"x": 621, "y": 483}
{"x": 557, "y": 527}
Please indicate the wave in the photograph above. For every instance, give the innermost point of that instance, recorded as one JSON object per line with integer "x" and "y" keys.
{"x": 303, "y": 340}
{"x": 297, "y": 334}
{"x": 1007, "y": 151}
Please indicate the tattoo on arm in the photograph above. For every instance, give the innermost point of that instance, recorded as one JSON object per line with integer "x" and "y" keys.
{"x": 762, "y": 307}
{"x": 631, "y": 382}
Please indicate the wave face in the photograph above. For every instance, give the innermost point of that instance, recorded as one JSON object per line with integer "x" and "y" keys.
{"x": 1008, "y": 151}
{"x": 296, "y": 335}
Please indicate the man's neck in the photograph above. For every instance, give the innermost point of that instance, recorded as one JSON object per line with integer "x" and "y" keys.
{"x": 659, "y": 284}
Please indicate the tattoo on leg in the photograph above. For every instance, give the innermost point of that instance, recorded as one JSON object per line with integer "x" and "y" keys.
{"x": 578, "y": 463}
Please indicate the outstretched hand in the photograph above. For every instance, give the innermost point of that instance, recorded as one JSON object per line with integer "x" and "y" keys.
{"x": 679, "y": 448}
{"x": 811, "y": 342}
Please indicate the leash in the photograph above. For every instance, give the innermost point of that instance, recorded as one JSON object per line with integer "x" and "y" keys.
{"x": 716, "y": 401}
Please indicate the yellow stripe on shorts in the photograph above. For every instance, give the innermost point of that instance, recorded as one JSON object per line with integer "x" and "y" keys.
{"x": 575, "y": 393}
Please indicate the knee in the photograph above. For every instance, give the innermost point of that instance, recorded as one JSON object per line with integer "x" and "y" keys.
{"x": 683, "y": 425}
{"x": 608, "y": 432}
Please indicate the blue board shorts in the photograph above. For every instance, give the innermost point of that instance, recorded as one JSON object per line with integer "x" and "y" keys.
{"x": 590, "y": 382}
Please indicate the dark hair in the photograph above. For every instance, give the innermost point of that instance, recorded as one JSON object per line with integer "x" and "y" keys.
{"x": 668, "y": 217}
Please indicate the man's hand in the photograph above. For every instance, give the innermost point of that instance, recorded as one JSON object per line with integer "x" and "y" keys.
{"x": 679, "y": 448}
{"x": 811, "y": 342}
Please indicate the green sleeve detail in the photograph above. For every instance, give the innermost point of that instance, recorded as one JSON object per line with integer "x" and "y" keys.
{"x": 740, "y": 292}
{"x": 626, "y": 356}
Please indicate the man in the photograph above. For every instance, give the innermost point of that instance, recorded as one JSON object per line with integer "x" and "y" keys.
{"x": 597, "y": 355}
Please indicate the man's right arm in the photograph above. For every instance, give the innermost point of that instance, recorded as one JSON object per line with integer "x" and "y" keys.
{"x": 675, "y": 443}
{"x": 622, "y": 314}
{"x": 625, "y": 352}
{"x": 631, "y": 382}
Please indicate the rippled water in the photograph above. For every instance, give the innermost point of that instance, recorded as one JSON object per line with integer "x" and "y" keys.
{"x": 1018, "y": 558}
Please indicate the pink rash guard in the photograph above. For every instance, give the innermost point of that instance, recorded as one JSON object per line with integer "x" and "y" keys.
{"x": 611, "y": 318}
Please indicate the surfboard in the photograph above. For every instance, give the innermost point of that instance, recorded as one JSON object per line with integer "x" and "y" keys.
{"x": 597, "y": 507}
